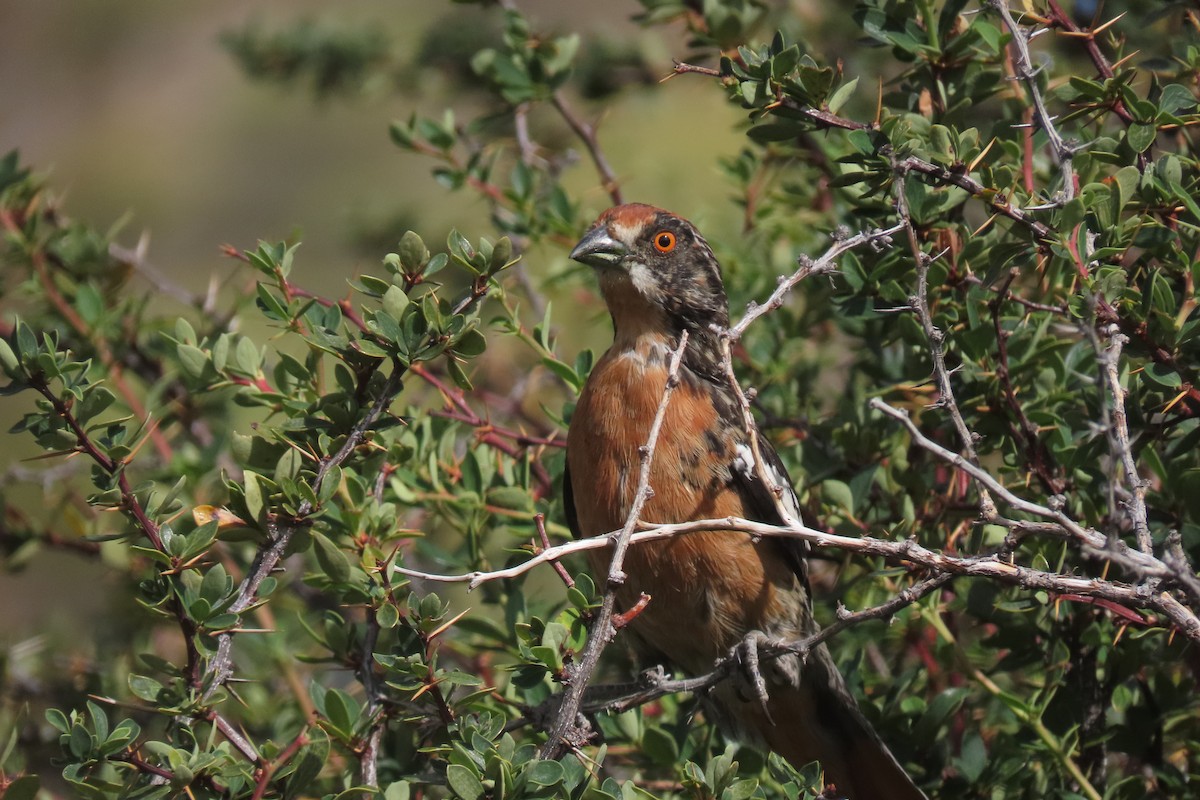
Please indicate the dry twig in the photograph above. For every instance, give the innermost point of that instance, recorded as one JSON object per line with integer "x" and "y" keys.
{"x": 1059, "y": 149}
{"x": 565, "y": 732}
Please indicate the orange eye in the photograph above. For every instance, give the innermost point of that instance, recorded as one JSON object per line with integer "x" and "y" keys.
{"x": 664, "y": 241}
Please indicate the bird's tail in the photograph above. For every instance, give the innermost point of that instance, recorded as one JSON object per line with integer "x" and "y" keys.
{"x": 817, "y": 719}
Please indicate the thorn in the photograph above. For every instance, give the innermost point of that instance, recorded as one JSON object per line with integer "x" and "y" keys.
{"x": 1118, "y": 64}
{"x": 1108, "y": 24}
{"x": 446, "y": 625}
{"x": 975, "y": 161}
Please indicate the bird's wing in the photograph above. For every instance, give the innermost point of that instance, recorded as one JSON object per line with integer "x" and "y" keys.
{"x": 568, "y": 498}
{"x": 759, "y": 499}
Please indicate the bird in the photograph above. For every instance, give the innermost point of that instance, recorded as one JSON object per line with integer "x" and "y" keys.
{"x": 712, "y": 593}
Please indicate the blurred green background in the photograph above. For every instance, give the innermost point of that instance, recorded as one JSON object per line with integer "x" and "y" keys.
{"x": 137, "y": 109}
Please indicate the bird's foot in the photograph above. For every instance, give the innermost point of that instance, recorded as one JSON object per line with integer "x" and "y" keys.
{"x": 746, "y": 654}
{"x": 653, "y": 677}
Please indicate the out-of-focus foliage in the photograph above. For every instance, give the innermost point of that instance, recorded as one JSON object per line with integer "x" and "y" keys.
{"x": 252, "y": 472}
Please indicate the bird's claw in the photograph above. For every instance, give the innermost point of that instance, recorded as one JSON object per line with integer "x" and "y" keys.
{"x": 653, "y": 677}
{"x": 746, "y": 654}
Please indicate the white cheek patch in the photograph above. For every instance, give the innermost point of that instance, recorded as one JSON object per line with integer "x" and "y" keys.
{"x": 643, "y": 280}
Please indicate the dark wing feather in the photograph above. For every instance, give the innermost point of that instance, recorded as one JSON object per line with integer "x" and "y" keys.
{"x": 568, "y": 498}
{"x": 760, "y": 501}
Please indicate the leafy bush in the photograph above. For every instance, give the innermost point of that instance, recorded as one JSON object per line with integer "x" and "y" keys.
{"x": 991, "y": 410}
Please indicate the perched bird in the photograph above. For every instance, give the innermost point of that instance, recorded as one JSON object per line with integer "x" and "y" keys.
{"x": 713, "y": 589}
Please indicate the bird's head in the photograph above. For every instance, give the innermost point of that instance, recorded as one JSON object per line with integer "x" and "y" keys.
{"x": 654, "y": 268}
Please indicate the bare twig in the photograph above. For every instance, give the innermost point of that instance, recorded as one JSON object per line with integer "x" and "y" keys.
{"x": 1110, "y": 368}
{"x": 822, "y": 265}
{"x": 525, "y": 145}
{"x": 136, "y": 259}
{"x": 748, "y": 425}
{"x": 235, "y": 737}
{"x": 1137, "y": 563}
{"x": 587, "y": 133}
{"x": 682, "y": 68}
{"x": 368, "y": 756}
{"x": 998, "y": 202}
{"x": 1032, "y": 305}
{"x": 992, "y": 567}
{"x": 654, "y": 688}
{"x": 936, "y": 339}
{"x": 1060, "y": 150}
{"x": 564, "y": 733}
{"x": 539, "y": 521}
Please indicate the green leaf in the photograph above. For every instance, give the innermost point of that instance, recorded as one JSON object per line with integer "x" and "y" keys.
{"x": 838, "y": 494}
{"x": 740, "y": 790}
{"x": 58, "y": 720}
{"x": 394, "y": 302}
{"x": 342, "y": 711}
{"x": 545, "y": 773}
{"x": 8, "y": 360}
{"x": 246, "y": 357}
{"x": 332, "y": 559}
{"x": 974, "y": 757}
{"x": 193, "y": 360}
{"x": 1140, "y": 136}
{"x": 89, "y": 303}
{"x": 1163, "y": 376}
{"x": 388, "y": 616}
{"x": 25, "y": 787}
{"x": 27, "y": 343}
{"x": 146, "y": 688}
{"x": 459, "y": 375}
{"x": 843, "y": 93}
{"x": 472, "y": 343}
{"x": 254, "y": 496}
{"x": 463, "y": 782}
{"x": 412, "y": 251}
{"x": 1175, "y": 97}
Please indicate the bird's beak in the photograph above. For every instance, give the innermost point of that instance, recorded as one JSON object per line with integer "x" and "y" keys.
{"x": 598, "y": 249}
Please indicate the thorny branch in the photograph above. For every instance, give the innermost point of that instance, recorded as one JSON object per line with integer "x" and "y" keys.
{"x": 760, "y": 464}
{"x": 826, "y": 263}
{"x": 936, "y": 339}
{"x": 587, "y": 133}
{"x": 280, "y": 532}
{"x": 1063, "y": 20}
{"x": 130, "y": 504}
{"x": 1141, "y": 566}
{"x": 1061, "y": 151}
{"x": 984, "y": 566}
{"x": 368, "y": 758}
{"x": 1110, "y": 367}
{"x": 566, "y": 733}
